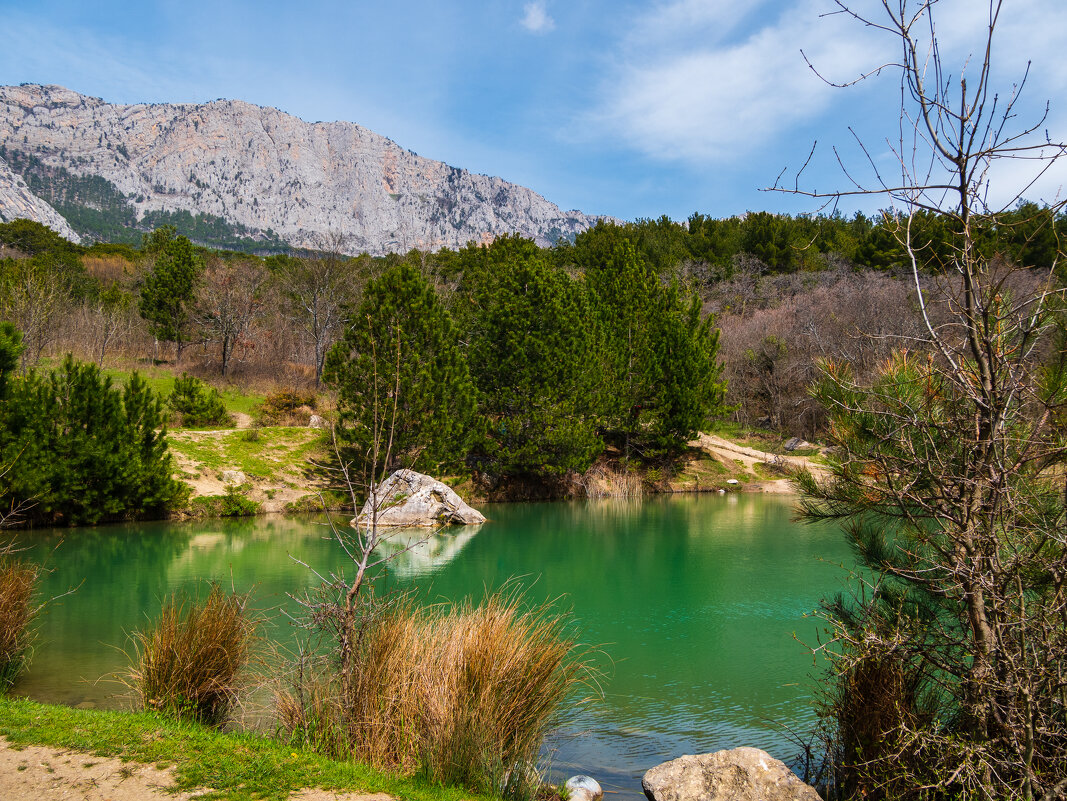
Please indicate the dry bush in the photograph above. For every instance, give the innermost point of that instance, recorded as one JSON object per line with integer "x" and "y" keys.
{"x": 108, "y": 269}
{"x": 287, "y": 408}
{"x": 772, "y": 342}
{"x": 18, "y": 580}
{"x": 189, "y": 663}
{"x": 463, "y": 694}
{"x": 605, "y": 481}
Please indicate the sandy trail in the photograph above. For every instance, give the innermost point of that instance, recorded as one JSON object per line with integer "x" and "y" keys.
{"x": 749, "y": 457}
{"x": 41, "y": 773}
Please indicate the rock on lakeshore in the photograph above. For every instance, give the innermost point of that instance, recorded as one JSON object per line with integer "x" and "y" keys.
{"x": 583, "y": 788}
{"x": 408, "y": 498}
{"x": 742, "y": 774}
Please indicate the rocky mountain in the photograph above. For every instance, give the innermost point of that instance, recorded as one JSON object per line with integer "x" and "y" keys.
{"x": 233, "y": 174}
{"x": 17, "y": 201}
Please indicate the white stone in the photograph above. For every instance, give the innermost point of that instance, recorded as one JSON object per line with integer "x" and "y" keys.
{"x": 741, "y": 774}
{"x": 409, "y": 499}
{"x": 583, "y": 788}
{"x": 234, "y": 477}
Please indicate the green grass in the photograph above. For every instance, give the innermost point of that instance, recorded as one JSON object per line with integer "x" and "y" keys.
{"x": 238, "y": 767}
{"x": 161, "y": 381}
{"x": 271, "y": 450}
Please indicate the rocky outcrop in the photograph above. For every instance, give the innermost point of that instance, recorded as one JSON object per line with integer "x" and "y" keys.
{"x": 269, "y": 171}
{"x": 742, "y": 774}
{"x": 18, "y": 202}
{"x": 410, "y": 499}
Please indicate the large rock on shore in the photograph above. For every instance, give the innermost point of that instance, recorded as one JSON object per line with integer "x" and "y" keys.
{"x": 742, "y": 774}
{"x": 408, "y": 499}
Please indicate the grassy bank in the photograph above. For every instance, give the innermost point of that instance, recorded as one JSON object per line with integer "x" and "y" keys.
{"x": 235, "y": 766}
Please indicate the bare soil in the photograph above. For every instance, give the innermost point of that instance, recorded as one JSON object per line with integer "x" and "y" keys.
{"x": 40, "y": 773}
{"x": 730, "y": 452}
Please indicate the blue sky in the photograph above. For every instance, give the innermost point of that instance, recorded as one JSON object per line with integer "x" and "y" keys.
{"x": 633, "y": 109}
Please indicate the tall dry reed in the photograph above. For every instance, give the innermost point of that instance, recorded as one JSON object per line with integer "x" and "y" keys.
{"x": 18, "y": 580}
{"x": 463, "y": 694}
{"x": 605, "y": 481}
{"x": 189, "y": 663}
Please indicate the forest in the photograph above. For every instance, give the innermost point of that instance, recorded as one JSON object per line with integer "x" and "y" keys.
{"x": 518, "y": 364}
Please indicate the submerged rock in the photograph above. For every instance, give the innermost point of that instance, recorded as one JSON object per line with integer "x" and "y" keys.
{"x": 408, "y": 498}
{"x": 742, "y": 774}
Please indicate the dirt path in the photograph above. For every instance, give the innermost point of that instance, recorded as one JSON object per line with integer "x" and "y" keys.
{"x": 730, "y": 451}
{"x": 39, "y": 773}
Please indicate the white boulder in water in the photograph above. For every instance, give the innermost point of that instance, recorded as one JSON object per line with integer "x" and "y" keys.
{"x": 408, "y": 498}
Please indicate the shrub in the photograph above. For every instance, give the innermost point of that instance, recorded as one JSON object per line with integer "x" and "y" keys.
{"x": 233, "y": 504}
{"x": 197, "y": 403}
{"x": 18, "y": 579}
{"x": 290, "y": 407}
{"x": 188, "y": 664}
{"x": 83, "y": 450}
{"x": 464, "y": 694}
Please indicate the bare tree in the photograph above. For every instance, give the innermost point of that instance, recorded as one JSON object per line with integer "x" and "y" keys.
{"x": 317, "y": 292}
{"x": 228, "y": 303}
{"x": 33, "y": 300}
{"x": 948, "y": 480}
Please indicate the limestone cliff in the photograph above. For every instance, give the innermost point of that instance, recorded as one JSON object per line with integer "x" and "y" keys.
{"x": 17, "y": 201}
{"x": 267, "y": 171}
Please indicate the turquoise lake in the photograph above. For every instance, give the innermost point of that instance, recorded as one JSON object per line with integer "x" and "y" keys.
{"x": 699, "y": 605}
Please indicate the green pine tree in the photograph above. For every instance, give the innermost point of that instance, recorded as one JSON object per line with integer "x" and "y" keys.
{"x": 661, "y": 378}
{"x": 405, "y": 395}
{"x": 168, "y": 289}
{"x": 532, "y": 344}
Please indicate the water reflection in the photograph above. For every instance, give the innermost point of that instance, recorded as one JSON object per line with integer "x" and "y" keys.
{"x": 694, "y": 601}
{"x": 414, "y": 553}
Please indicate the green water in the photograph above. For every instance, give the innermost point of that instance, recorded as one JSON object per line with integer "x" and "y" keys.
{"x": 697, "y": 602}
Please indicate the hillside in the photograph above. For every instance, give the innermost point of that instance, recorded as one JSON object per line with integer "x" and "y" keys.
{"x": 231, "y": 174}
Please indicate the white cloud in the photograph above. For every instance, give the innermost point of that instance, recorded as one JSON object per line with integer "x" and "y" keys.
{"x": 536, "y": 19}
{"x": 712, "y": 102}
{"x": 707, "y": 81}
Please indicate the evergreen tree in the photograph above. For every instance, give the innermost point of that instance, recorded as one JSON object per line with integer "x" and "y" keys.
{"x": 661, "y": 377}
{"x": 84, "y": 451}
{"x": 168, "y": 291}
{"x": 532, "y": 344}
{"x": 405, "y": 395}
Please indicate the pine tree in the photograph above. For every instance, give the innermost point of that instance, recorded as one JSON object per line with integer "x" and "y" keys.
{"x": 661, "y": 378}
{"x": 82, "y": 450}
{"x": 531, "y": 347}
{"x": 168, "y": 291}
{"x": 401, "y": 379}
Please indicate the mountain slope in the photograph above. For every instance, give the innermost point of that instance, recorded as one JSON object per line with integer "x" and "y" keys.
{"x": 267, "y": 175}
{"x": 16, "y": 200}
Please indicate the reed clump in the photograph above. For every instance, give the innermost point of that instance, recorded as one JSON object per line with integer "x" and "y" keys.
{"x": 18, "y": 580}
{"x": 189, "y": 664}
{"x": 463, "y": 694}
{"x": 606, "y": 481}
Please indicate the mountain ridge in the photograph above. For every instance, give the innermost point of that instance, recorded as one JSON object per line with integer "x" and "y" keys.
{"x": 266, "y": 173}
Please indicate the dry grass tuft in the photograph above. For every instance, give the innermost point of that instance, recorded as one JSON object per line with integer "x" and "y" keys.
{"x": 604, "y": 481}
{"x": 18, "y": 580}
{"x": 189, "y": 663}
{"x": 463, "y": 694}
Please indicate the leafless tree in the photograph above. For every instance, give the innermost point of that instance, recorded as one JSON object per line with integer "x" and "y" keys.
{"x": 949, "y": 479}
{"x": 228, "y": 303}
{"x": 33, "y": 300}
{"x": 317, "y": 291}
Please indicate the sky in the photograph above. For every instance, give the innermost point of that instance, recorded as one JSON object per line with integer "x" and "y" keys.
{"x": 629, "y": 109}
